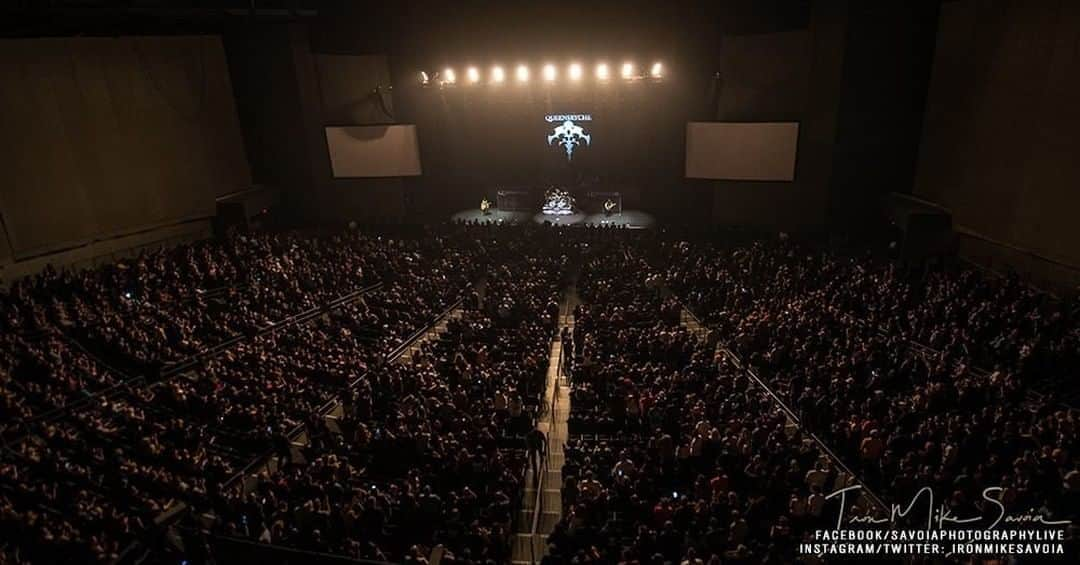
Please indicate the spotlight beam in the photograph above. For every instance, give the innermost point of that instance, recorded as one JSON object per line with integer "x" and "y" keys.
{"x": 575, "y": 71}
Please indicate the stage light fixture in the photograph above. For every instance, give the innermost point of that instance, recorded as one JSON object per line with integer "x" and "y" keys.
{"x": 523, "y": 73}
{"x": 575, "y": 71}
{"x": 448, "y": 76}
{"x": 497, "y": 74}
{"x": 602, "y": 71}
{"x": 473, "y": 75}
{"x": 549, "y": 72}
{"x": 628, "y": 70}
{"x": 657, "y": 70}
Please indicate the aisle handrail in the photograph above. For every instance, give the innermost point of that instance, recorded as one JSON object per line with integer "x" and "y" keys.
{"x": 405, "y": 345}
{"x": 538, "y": 505}
{"x": 327, "y": 407}
{"x": 170, "y": 371}
{"x": 791, "y": 415}
{"x": 273, "y": 327}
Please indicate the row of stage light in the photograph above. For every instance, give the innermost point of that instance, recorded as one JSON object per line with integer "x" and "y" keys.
{"x": 548, "y": 73}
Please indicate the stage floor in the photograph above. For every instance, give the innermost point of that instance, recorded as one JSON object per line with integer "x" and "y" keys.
{"x": 628, "y": 218}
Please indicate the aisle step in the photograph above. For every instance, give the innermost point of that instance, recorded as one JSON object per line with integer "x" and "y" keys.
{"x": 527, "y": 548}
{"x": 524, "y": 521}
{"x": 553, "y": 499}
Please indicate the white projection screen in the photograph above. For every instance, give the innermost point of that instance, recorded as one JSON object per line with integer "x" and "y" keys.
{"x": 748, "y": 151}
{"x": 373, "y": 151}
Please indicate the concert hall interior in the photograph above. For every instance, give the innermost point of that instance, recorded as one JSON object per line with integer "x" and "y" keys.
{"x": 549, "y": 282}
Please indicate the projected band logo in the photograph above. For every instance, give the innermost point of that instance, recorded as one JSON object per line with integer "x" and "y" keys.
{"x": 569, "y": 135}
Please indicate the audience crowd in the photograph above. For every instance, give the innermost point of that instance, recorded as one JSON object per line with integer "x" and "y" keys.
{"x": 673, "y": 456}
{"x": 915, "y": 381}
{"x": 428, "y": 450}
{"x": 258, "y": 389}
{"x": 130, "y": 449}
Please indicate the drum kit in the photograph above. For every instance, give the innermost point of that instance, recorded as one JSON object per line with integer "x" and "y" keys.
{"x": 558, "y": 202}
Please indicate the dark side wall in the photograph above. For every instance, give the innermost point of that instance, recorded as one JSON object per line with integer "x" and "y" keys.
{"x": 111, "y": 143}
{"x": 784, "y": 76}
{"x": 855, "y": 75}
{"x": 886, "y": 72}
{"x": 261, "y": 63}
{"x": 290, "y": 84}
{"x": 999, "y": 140}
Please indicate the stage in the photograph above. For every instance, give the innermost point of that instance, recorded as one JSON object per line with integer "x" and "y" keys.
{"x": 634, "y": 219}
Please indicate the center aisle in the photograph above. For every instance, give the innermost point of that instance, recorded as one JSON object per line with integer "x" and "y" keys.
{"x": 530, "y": 547}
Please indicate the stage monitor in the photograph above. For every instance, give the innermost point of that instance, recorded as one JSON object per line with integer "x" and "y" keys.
{"x": 743, "y": 151}
{"x": 373, "y": 151}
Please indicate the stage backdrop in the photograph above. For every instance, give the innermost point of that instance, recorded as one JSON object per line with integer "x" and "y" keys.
{"x": 108, "y": 136}
{"x": 474, "y": 139}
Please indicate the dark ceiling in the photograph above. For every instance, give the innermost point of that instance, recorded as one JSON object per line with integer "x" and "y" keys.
{"x": 448, "y": 26}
